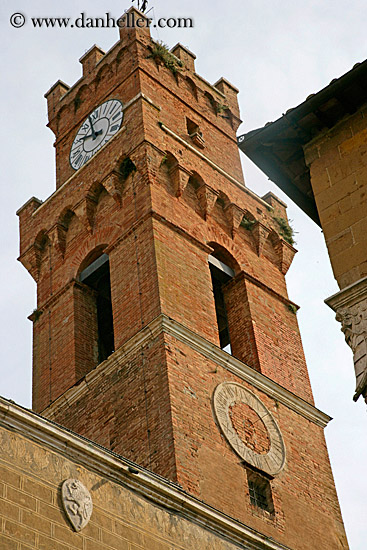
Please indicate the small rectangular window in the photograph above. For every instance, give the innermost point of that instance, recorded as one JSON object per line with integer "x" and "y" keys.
{"x": 192, "y": 127}
{"x": 260, "y": 491}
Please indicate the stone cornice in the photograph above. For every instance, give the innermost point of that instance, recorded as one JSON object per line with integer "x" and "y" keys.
{"x": 166, "y": 325}
{"x": 350, "y": 306}
{"x": 118, "y": 470}
{"x": 349, "y": 296}
{"x": 253, "y": 377}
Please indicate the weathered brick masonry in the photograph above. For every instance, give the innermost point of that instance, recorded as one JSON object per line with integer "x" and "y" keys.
{"x": 182, "y": 200}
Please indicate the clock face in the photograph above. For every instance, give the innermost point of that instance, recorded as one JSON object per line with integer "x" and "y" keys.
{"x": 97, "y": 129}
{"x": 249, "y": 427}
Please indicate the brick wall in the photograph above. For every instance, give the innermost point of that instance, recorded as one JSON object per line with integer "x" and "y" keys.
{"x": 155, "y": 407}
{"x": 152, "y": 269}
{"x": 208, "y": 467}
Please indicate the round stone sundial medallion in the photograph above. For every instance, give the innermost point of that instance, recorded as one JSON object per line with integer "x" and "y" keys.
{"x": 249, "y": 427}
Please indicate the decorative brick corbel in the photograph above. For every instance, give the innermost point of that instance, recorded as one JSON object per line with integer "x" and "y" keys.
{"x": 285, "y": 253}
{"x": 350, "y": 305}
{"x": 260, "y": 234}
{"x": 180, "y": 178}
{"x": 57, "y": 236}
{"x": 31, "y": 261}
{"x": 85, "y": 211}
{"x": 207, "y": 197}
{"x": 112, "y": 184}
{"x": 234, "y": 215}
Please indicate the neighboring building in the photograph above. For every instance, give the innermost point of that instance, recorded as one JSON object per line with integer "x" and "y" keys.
{"x": 133, "y": 509}
{"x": 163, "y": 331}
{"x": 317, "y": 154}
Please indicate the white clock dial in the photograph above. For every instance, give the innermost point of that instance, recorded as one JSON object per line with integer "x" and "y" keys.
{"x": 97, "y": 129}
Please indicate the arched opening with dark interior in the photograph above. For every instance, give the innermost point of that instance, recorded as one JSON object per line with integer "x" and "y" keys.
{"x": 221, "y": 274}
{"x": 233, "y": 307}
{"x": 96, "y": 276}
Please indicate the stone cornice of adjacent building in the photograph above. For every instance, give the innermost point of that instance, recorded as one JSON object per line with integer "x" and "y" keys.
{"x": 348, "y": 296}
{"x": 271, "y": 146}
{"x": 350, "y": 306}
{"x": 166, "y": 325}
{"x": 122, "y": 471}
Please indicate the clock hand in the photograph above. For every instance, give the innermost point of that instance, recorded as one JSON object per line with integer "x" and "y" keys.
{"x": 96, "y": 134}
{"x": 92, "y": 128}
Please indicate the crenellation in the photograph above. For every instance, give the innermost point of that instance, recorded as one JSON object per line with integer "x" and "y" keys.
{"x": 186, "y": 56}
{"x": 54, "y": 95}
{"x": 134, "y": 26}
{"x": 231, "y": 93}
{"x": 91, "y": 58}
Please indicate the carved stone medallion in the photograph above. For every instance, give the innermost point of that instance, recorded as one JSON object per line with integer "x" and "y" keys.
{"x": 249, "y": 427}
{"x": 77, "y": 503}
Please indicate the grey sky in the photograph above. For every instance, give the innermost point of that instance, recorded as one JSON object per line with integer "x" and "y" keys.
{"x": 277, "y": 53}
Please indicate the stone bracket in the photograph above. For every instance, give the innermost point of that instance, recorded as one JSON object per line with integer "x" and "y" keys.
{"x": 350, "y": 306}
{"x": 84, "y": 210}
{"x": 286, "y": 253}
{"x": 31, "y": 261}
{"x": 57, "y": 236}
{"x": 112, "y": 184}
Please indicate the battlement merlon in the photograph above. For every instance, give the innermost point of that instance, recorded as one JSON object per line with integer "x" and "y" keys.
{"x": 54, "y": 95}
{"x": 231, "y": 92}
{"x": 90, "y": 59}
{"x": 184, "y": 55}
{"x": 279, "y": 207}
{"x": 93, "y": 61}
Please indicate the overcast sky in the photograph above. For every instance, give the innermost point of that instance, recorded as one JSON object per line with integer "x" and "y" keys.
{"x": 277, "y": 53}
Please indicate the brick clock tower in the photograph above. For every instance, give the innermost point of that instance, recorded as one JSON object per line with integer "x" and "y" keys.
{"x": 163, "y": 329}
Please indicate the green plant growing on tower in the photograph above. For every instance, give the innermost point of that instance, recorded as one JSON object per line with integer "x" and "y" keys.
{"x": 161, "y": 54}
{"x": 292, "y": 308}
{"x": 285, "y": 230}
{"x": 247, "y": 223}
{"x": 220, "y": 108}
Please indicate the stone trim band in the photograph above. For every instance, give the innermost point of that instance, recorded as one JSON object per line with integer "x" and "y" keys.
{"x": 166, "y": 325}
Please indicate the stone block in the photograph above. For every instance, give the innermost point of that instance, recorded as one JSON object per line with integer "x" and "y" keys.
{"x": 19, "y": 532}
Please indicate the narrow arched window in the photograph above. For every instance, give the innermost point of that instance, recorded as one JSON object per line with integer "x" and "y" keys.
{"x": 221, "y": 275}
{"x": 97, "y": 277}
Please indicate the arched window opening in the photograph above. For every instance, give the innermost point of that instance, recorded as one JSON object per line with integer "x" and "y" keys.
{"x": 97, "y": 277}
{"x": 221, "y": 274}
